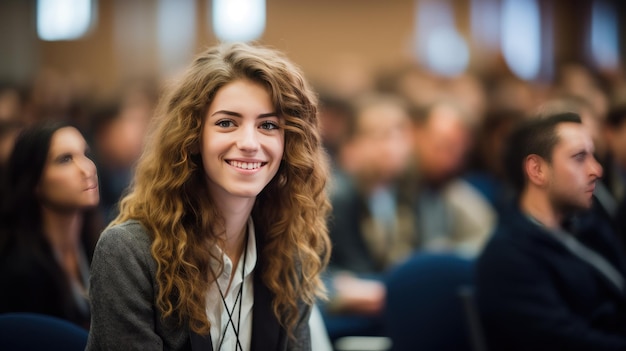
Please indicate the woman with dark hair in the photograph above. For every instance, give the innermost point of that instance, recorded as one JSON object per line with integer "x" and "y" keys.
{"x": 47, "y": 232}
{"x": 220, "y": 242}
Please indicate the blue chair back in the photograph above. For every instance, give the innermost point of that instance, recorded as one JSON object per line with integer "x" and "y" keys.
{"x": 31, "y": 331}
{"x": 424, "y": 311}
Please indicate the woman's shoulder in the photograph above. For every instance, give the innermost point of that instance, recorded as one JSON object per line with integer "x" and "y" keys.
{"x": 127, "y": 242}
{"x": 129, "y": 233}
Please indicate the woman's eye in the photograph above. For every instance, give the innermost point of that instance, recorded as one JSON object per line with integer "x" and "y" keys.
{"x": 269, "y": 125}
{"x": 225, "y": 124}
{"x": 64, "y": 159}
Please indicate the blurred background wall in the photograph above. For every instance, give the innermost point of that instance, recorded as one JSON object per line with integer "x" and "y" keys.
{"x": 330, "y": 39}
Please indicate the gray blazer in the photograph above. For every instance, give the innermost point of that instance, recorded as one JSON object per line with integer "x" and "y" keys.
{"x": 123, "y": 293}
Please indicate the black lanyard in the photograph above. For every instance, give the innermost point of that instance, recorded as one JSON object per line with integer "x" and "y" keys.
{"x": 239, "y": 299}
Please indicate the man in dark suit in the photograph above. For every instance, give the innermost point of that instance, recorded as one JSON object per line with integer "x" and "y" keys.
{"x": 552, "y": 276}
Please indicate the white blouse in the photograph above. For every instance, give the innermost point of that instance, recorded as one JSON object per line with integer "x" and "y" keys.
{"x": 236, "y": 335}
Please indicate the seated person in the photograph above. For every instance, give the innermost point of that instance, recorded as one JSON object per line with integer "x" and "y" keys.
{"x": 449, "y": 213}
{"x": 552, "y": 276}
{"x": 371, "y": 226}
{"x": 49, "y": 223}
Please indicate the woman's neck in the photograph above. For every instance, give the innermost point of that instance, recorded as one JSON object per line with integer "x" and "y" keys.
{"x": 236, "y": 214}
{"x": 62, "y": 229}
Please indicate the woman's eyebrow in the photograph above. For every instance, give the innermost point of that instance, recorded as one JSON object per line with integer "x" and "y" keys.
{"x": 237, "y": 114}
{"x": 226, "y": 112}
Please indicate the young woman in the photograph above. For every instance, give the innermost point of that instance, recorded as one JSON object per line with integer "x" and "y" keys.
{"x": 49, "y": 226}
{"x": 221, "y": 239}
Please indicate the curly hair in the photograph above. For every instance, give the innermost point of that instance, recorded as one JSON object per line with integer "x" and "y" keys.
{"x": 168, "y": 193}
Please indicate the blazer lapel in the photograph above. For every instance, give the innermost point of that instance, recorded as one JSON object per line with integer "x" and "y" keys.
{"x": 267, "y": 334}
{"x": 265, "y": 327}
{"x": 200, "y": 342}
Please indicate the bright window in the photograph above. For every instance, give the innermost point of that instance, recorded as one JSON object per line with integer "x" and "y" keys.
{"x": 238, "y": 20}
{"x": 440, "y": 46}
{"x": 604, "y": 40}
{"x": 63, "y": 19}
{"x": 176, "y": 30}
{"x": 521, "y": 39}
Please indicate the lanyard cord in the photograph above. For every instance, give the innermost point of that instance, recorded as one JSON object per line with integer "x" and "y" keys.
{"x": 238, "y": 298}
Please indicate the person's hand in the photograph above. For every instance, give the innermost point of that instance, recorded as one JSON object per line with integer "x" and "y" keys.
{"x": 359, "y": 296}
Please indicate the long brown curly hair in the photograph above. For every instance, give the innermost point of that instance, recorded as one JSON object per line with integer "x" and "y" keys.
{"x": 169, "y": 194}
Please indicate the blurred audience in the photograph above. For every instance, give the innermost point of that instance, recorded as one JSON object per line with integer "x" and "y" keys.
{"x": 9, "y": 130}
{"x": 510, "y": 93}
{"x": 486, "y": 171}
{"x": 49, "y": 227}
{"x": 469, "y": 91}
{"x": 615, "y": 136}
{"x": 444, "y": 136}
{"x": 335, "y": 114}
{"x": 11, "y": 103}
{"x": 8, "y": 133}
{"x": 614, "y": 180}
{"x": 371, "y": 225}
{"x": 575, "y": 79}
{"x": 118, "y": 132}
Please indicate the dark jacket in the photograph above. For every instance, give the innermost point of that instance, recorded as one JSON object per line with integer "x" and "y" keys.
{"x": 534, "y": 294}
{"x": 352, "y": 230}
{"x": 33, "y": 281}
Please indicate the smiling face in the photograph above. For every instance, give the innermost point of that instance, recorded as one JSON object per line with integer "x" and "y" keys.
{"x": 242, "y": 141}
{"x": 573, "y": 170}
{"x": 69, "y": 180}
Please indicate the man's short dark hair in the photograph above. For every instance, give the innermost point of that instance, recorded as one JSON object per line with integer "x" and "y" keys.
{"x": 536, "y": 136}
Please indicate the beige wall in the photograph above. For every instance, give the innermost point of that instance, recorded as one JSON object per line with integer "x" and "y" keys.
{"x": 320, "y": 34}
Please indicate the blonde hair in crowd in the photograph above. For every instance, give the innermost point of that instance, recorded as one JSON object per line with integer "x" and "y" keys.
{"x": 169, "y": 195}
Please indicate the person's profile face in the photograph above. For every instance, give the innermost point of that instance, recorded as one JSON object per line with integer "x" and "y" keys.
{"x": 573, "y": 170}
{"x": 69, "y": 180}
{"x": 242, "y": 141}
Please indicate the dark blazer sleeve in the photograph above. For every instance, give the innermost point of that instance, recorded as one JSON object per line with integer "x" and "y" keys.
{"x": 302, "y": 332}
{"x": 522, "y": 310}
{"x": 121, "y": 293}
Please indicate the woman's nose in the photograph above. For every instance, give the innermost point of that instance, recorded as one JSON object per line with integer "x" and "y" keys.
{"x": 247, "y": 138}
{"x": 87, "y": 167}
